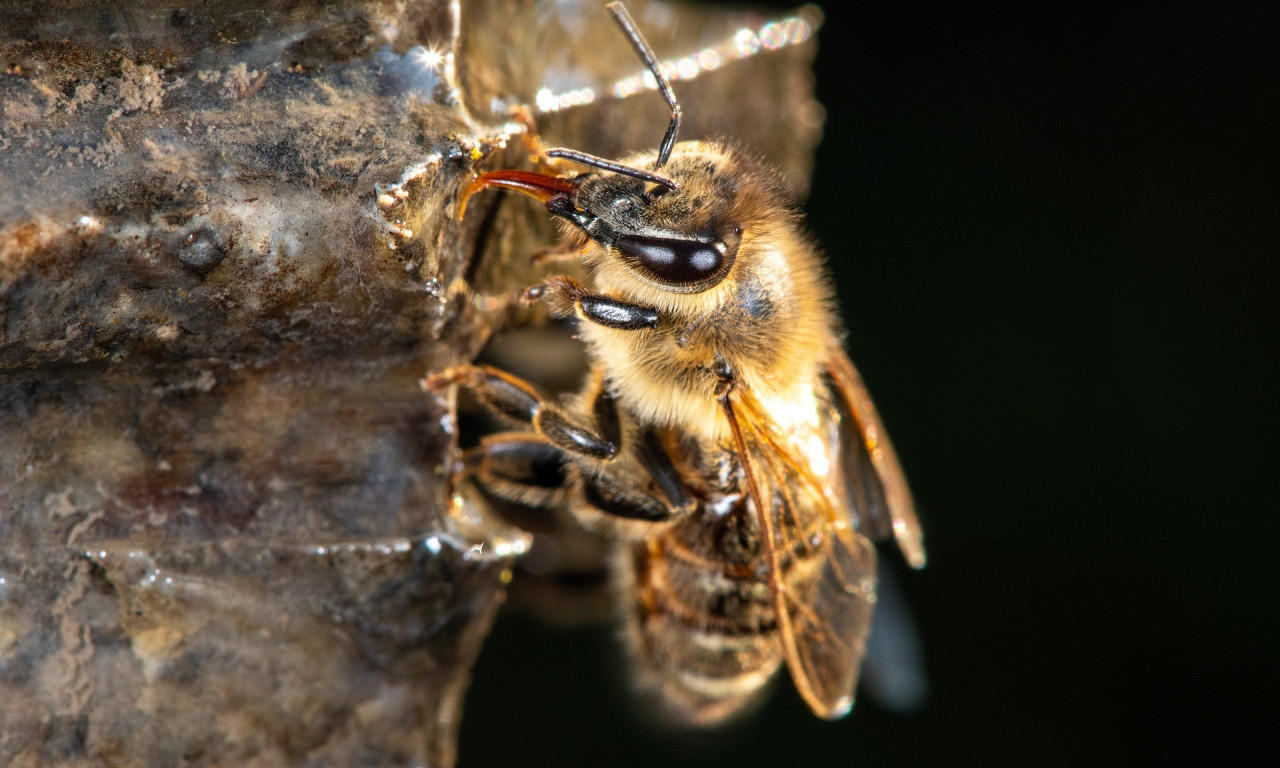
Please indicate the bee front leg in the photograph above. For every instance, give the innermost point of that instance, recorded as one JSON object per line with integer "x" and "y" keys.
{"x": 564, "y": 252}
{"x": 566, "y": 296}
{"x": 532, "y": 140}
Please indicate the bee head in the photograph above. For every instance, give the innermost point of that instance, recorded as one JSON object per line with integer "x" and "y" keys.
{"x": 682, "y": 233}
{"x": 685, "y": 239}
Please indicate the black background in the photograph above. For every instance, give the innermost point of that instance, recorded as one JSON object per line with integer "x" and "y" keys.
{"x": 1054, "y": 230}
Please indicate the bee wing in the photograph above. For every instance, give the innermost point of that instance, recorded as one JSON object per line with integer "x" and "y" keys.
{"x": 874, "y": 481}
{"x": 825, "y": 626}
{"x": 823, "y": 618}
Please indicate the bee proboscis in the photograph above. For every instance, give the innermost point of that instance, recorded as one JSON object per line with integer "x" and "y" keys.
{"x": 723, "y": 439}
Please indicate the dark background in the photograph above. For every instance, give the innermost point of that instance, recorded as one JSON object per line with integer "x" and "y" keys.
{"x": 1054, "y": 232}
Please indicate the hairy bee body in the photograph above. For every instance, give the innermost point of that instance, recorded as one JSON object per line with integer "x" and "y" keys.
{"x": 723, "y": 439}
{"x": 694, "y": 592}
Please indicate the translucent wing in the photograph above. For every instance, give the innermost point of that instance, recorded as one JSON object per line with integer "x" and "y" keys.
{"x": 874, "y": 481}
{"x": 821, "y": 571}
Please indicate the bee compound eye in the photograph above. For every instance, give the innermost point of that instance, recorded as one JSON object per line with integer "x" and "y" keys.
{"x": 688, "y": 264}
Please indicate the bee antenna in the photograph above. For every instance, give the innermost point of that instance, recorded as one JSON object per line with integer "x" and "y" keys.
{"x": 608, "y": 165}
{"x": 628, "y": 26}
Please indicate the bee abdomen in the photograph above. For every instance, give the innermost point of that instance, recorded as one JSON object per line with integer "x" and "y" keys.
{"x": 703, "y": 675}
{"x": 703, "y": 632}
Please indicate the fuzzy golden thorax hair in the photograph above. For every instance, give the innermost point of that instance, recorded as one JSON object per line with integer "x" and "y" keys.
{"x": 768, "y": 315}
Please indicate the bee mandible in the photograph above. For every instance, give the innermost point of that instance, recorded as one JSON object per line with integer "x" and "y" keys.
{"x": 723, "y": 440}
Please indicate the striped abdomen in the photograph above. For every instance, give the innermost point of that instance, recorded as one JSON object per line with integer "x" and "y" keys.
{"x": 700, "y": 613}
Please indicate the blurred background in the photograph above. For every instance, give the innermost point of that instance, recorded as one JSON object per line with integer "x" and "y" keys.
{"x": 1054, "y": 230}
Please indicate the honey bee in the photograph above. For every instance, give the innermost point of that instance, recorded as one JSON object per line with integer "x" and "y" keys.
{"x": 723, "y": 440}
